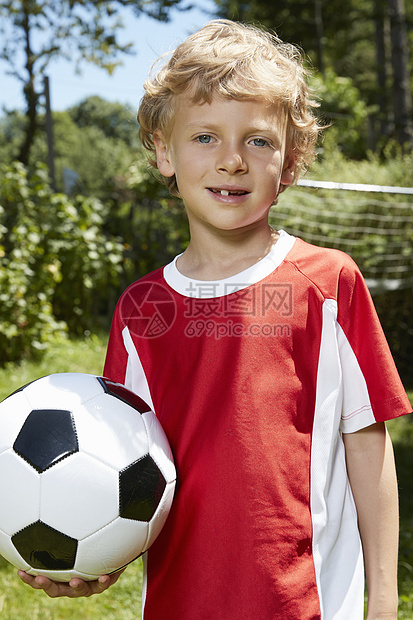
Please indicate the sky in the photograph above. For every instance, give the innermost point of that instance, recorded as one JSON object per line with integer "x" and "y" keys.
{"x": 150, "y": 38}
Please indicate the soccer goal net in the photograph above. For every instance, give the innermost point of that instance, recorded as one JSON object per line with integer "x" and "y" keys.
{"x": 374, "y": 225}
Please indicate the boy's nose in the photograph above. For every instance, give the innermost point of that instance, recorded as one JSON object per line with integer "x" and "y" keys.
{"x": 232, "y": 161}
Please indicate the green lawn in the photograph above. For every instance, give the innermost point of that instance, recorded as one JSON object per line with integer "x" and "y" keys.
{"x": 20, "y": 602}
{"x": 123, "y": 600}
{"x": 86, "y": 355}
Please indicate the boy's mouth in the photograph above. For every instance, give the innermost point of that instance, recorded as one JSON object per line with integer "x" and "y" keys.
{"x": 227, "y": 192}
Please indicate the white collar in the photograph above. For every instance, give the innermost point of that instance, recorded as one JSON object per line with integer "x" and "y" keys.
{"x": 208, "y": 289}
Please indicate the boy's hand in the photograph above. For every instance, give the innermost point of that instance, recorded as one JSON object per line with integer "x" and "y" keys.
{"x": 74, "y": 589}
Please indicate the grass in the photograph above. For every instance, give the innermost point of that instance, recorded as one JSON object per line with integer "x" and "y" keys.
{"x": 86, "y": 355}
{"x": 123, "y": 600}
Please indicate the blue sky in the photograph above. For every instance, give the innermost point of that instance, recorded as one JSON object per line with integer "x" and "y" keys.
{"x": 150, "y": 38}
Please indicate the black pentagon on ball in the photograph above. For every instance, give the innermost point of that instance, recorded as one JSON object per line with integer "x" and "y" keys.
{"x": 141, "y": 486}
{"x": 46, "y": 437}
{"x": 44, "y": 548}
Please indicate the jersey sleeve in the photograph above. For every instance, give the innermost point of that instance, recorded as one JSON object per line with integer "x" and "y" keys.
{"x": 372, "y": 389}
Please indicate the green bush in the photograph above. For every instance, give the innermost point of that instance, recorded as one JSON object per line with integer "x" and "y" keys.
{"x": 341, "y": 105}
{"x": 392, "y": 168}
{"x": 152, "y": 223}
{"x": 55, "y": 262}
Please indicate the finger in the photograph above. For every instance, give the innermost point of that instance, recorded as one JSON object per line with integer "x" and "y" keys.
{"x": 77, "y": 587}
{"x": 40, "y": 582}
{"x": 112, "y": 578}
{"x": 55, "y": 589}
{"x": 95, "y": 587}
{"x": 29, "y": 579}
{"x": 74, "y": 589}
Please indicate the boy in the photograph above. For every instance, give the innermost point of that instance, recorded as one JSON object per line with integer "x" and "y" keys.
{"x": 262, "y": 357}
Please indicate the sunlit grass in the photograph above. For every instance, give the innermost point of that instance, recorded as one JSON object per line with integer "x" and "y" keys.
{"x": 20, "y": 602}
{"x": 83, "y": 355}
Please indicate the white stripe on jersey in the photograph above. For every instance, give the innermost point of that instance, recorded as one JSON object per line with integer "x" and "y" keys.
{"x": 337, "y": 551}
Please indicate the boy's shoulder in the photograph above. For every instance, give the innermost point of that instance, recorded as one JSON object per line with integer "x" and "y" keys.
{"x": 326, "y": 268}
{"x": 306, "y": 254}
{"x": 149, "y": 287}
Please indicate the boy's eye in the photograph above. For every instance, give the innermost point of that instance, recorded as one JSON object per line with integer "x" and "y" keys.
{"x": 259, "y": 142}
{"x": 204, "y": 138}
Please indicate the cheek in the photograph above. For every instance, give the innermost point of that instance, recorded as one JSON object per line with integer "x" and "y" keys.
{"x": 274, "y": 169}
{"x": 273, "y": 176}
{"x": 189, "y": 168}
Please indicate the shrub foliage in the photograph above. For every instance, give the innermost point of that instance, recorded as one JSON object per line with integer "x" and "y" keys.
{"x": 56, "y": 262}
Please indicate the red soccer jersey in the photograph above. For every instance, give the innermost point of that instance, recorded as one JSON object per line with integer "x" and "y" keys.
{"x": 253, "y": 379}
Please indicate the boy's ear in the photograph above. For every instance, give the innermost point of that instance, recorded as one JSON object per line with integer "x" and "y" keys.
{"x": 163, "y": 155}
{"x": 287, "y": 175}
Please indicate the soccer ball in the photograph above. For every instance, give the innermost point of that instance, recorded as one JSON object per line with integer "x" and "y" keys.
{"x": 86, "y": 477}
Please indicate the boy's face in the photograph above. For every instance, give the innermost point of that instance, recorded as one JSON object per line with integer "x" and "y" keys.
{"x": 229, "y": 158}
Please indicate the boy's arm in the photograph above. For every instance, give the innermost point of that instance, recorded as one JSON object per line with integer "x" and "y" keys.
{"x": 74, "y": 589}
{"x": 372, "y": 475}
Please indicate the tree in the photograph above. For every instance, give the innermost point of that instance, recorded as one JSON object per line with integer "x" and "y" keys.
{"x": 114, "y": 119}
{"x": 365, "y": 40}
{"x": 34, "y": 32}
{"x": 382, "y": 72}
{"x": 96, "y": 139}
{"x": 401, "y": 90}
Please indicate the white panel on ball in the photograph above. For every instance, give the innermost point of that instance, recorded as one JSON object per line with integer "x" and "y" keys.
{"x": 66, "y": 576}
{"x": 79, "y": 496}
{"x": 13, "y": 413}
{"x": 117, "y": 444}
{"x": 158, "y": 520}
{"x": 56, "y": 391}
{"x": 19, "y": 491}
{"x": 159, "y": 446}
{"x": 122, "y": 538}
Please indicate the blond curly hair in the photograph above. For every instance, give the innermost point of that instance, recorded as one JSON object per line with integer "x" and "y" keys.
{"x": 235, "y": 61}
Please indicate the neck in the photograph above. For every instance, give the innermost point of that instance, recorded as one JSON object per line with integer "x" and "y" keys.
{"x": 215, "y": 257}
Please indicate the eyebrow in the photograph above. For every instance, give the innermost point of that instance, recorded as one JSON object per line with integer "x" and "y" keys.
{"x": 208, "y": 126}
